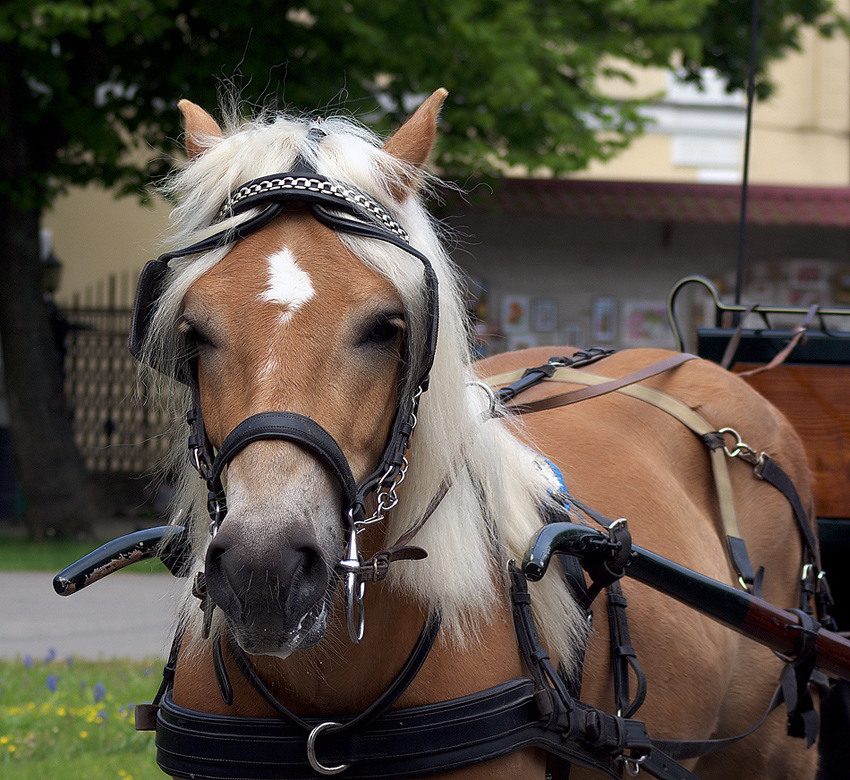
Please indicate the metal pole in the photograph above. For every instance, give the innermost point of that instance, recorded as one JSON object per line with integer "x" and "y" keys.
{"x": 745, "y": 178}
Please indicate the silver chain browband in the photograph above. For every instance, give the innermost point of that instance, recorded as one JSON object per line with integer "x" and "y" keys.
{"x": 347, "y": 195}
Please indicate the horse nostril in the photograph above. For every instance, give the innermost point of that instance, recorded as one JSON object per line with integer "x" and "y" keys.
{"x": 282, "y": 584}
{"x": 221, "y": 578}
{"x": 303, "y": 576}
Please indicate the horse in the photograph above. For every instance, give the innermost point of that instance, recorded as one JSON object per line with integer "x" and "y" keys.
{"x": 298, "y": 319}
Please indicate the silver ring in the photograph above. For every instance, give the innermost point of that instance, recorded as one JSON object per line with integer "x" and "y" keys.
{"x": 311, "y": 751}
{"x": 488, "y": 391}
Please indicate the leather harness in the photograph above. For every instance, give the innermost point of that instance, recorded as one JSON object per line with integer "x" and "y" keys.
{"x": 535, "y": 711}
{"x": 538, "y": 711}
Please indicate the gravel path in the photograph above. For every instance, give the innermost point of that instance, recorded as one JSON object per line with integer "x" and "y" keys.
{"x": 124, "y": 616}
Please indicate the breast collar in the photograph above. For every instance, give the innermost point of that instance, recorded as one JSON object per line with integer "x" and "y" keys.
{"x": 344, "y": 209}
{"x": 379, "y": 742}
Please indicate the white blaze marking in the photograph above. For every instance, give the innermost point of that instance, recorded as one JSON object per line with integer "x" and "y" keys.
{"x": 289, "y": 285}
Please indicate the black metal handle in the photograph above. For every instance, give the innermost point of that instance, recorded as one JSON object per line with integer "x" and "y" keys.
{"x": 170, "y": 543}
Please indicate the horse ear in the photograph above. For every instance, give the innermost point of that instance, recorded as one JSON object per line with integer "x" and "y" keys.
{"x": 202, "y": 131}
{"x": 413, "y": 141}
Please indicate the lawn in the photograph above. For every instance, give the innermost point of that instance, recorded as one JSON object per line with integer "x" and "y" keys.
{"x": 66, "y": 717}
{"x": 70, "y": 718}
{"x": 55, "y": 555}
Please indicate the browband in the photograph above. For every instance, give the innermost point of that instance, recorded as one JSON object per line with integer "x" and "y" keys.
{"x": 342, "y": 208}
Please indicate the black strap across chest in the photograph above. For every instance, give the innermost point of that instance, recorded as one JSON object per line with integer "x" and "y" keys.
{"x": 537, "y": 711}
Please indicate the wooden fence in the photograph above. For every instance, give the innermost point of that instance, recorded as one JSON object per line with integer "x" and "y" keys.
{"x": 114, "y": 429}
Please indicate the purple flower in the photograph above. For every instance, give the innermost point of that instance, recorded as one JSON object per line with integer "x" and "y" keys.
{"x": 102, "y": 714}
{"x": 51, "y": 655}
{"x": 28, "y": 661}
{"x": 99, "y": 692}
{"x": 51, "y": 682}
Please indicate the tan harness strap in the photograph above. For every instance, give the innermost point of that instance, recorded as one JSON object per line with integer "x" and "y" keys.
{"x": 609, "y": 386}
{"x": 675, "y": 408}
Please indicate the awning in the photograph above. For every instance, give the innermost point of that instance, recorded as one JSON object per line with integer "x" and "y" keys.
{"x": 674, "y": 201}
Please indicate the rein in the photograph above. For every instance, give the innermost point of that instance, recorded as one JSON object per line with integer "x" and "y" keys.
{"x": 344, "y": 209}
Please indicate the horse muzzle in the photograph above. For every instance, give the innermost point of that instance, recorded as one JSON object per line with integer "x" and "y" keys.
{"x": 275, "y": 602}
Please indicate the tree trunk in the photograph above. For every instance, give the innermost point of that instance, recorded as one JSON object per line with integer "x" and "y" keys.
{"x": 57, "y": 494}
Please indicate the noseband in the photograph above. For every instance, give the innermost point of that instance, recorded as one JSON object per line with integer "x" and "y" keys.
{"x": 344, "y": 209}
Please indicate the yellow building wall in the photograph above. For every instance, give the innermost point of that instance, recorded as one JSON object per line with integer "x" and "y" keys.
{"x": 96, "y": 235}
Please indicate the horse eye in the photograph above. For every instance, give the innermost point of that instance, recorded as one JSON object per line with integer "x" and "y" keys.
{"x": 383, "y": 331}
{"x": 196, "y": 337}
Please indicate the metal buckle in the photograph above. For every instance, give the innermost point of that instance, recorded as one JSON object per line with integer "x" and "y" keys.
{"x": 743, "y": 450}
{"x": 317, "y": 765}
{"x": 355, "y": 586}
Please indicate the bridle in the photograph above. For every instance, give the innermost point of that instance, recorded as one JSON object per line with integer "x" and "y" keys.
{"x": 344, "y": 209}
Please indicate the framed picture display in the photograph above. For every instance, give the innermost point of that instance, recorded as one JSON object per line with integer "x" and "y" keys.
{"x": 544, "y": 315}
{"x": 603, "y": 320}
{"x": 645, "y": 324}
{"x": 515, "y": 314}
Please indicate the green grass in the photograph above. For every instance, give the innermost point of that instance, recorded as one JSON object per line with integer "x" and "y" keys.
{"x": 55, "y": 555}
{"x": 69, "y": 718}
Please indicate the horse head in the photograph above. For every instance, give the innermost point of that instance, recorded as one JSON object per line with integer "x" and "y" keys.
{"x": 289, "y": 331}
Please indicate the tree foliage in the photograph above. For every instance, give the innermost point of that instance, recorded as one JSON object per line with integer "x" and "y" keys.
{"x": 88, "y": 89}
{"x": 94, "y": 77}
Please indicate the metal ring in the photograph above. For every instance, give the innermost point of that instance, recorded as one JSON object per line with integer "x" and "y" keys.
{"x": 354, "y": 612}
{"x": 355, "y": 586}
{"x": 491, "y": 395}
{"x": 632, "y": 765}
{"x": 739, "y": 442}
{"x": 311, "y": 751}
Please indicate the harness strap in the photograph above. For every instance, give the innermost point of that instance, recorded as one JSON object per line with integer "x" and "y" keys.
{"x": 291, "y": 427}
{"x": 533, "y": 376}
{"x": 625, "y": 739}
{"x": 607, "y": 574}
{"x": 683, "y": 749}
{"x": 396, "y": 688}
{"x": 623, "y": 655}
{"x": 608, "y": 386}
{"x": 793, "y": 688}
{"x": 407, "y": 743}
{"x": 381, "y": 743}
{"x": 798, "y": 336}
{"x": 684, "y": 414}
{"x": 770, "y": 472}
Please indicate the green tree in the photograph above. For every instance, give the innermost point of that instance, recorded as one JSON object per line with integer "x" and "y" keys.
{"x": 83, "y": 83}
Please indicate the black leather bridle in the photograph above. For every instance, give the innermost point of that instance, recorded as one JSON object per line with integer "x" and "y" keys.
{"x": 344, "y": 209}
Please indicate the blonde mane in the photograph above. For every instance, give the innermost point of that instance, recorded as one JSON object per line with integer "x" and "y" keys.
{"x": 492, "y": 508}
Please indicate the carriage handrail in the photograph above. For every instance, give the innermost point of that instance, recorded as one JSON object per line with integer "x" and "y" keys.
{"x": 776, "y": 628}
{"x": 738, "y": 308}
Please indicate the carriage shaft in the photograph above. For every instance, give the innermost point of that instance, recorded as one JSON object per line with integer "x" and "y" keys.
{"x": 776, "y": 628}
